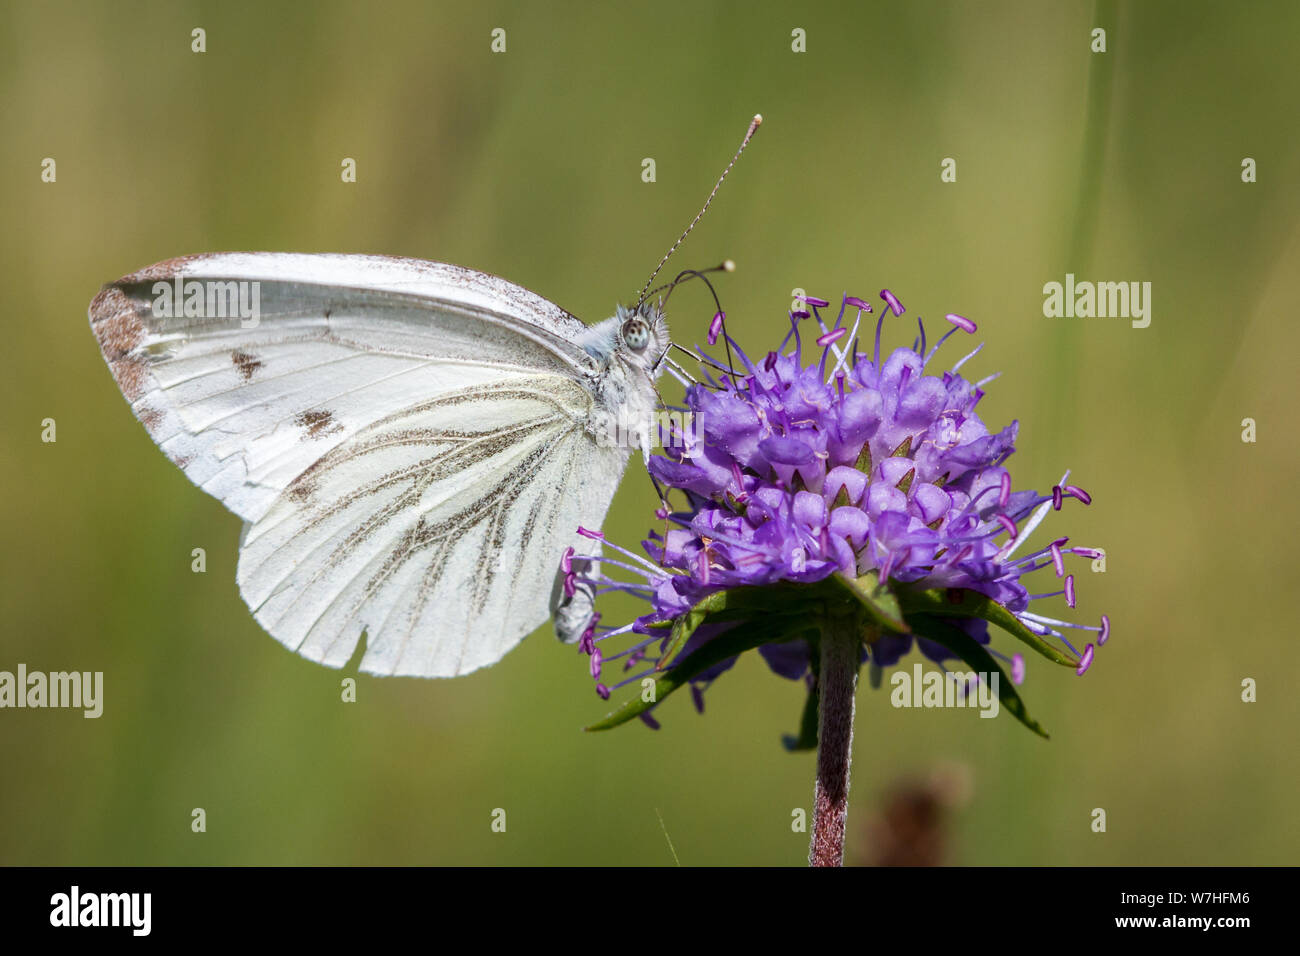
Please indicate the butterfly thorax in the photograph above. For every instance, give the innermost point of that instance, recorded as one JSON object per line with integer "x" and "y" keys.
{"x": 630, "y": 347}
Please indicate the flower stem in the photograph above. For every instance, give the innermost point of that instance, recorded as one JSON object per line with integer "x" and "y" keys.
{"x": 837, "y": 681}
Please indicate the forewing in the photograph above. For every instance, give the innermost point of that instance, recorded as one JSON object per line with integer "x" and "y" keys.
{"x": 246, "y": 403}
{"x": 437, "y": 531}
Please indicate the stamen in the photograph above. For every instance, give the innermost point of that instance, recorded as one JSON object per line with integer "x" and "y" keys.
{"x": 833, "y": 336}
{"x": 1104, "y": 636}
{"x": 969, "y": 355}
{"x": 892, "y": 300}
{"x": 1077, "y": 492}
{"x": 815, "y": 302}
{"x": 1042, "y": 619}
{"x": 970, "y": 505}
{"x": 1069, "y": 590}
{"x": 857, "y": 303}
{"x": 715, "y": 327}
{"x": 963, "y": 323}
{"x": 853, "y": 348}
{"x": 943, "y": 338}
{"x": 1004, "y": 489}
{"x": 1056, "y": 497}
{"x": 880, "y": 324}
{"x": 1044, "y": 631}
{"x": 655, "y": 570}
{"x": 741, "y": 493}
{"x": 1085, "y": 661}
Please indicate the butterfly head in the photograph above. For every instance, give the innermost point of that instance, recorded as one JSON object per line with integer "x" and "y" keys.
{"x": 642, "y": 339}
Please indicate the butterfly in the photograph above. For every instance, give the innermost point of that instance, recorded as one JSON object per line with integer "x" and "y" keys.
{"x": 412, "y": 445}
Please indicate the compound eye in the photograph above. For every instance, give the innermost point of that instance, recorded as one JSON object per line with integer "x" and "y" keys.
{"x": 636, "y": 333}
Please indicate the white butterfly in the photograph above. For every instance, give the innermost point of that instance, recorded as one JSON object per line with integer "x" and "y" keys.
{"x": 412, "y": 445}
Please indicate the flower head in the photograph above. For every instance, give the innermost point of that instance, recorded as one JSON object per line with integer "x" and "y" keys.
{"x": 822, "y": 461}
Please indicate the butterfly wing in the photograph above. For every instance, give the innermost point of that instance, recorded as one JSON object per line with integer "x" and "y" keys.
{"x": 244, "y": 406}
{"x": 406, "y": 439}
{"x": 437, "y": 531}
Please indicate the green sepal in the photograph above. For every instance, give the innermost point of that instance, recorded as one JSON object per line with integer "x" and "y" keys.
{"x": 979, "y": 659}
{"x": 863, "y": 464}
{"x": 879, "y": 604}
{"x": 733, "y": 604}
{"x": 774, "y": 629}
{"x": 961, "y": 602}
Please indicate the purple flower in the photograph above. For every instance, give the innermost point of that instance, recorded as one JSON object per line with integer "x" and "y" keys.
{"x": 834, "y": 462}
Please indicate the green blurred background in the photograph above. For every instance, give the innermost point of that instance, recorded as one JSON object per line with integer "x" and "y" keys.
{"x": 1123, "y": 166}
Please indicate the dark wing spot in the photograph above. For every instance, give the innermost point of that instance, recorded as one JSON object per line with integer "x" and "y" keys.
{"x": 317, "y": 423}
{"x": 247, "y": 364}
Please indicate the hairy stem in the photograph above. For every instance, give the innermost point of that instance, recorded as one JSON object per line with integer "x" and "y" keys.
{"x": 840, "y": 657}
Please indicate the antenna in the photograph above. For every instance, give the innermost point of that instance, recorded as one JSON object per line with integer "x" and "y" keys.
{"x": 727, "y": 266}
{"x": 749, "y": 134}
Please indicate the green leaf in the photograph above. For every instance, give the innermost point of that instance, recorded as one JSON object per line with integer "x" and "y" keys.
{"x": 736, "y": 641}
{"x": 736, "y": 604}
{"x": 880, "y": 604}
{"x": 685, "y": 626}
{"x": 806, "y": 739}
{"x": 954, "y": 602}
{"x": 979, "y": 659}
